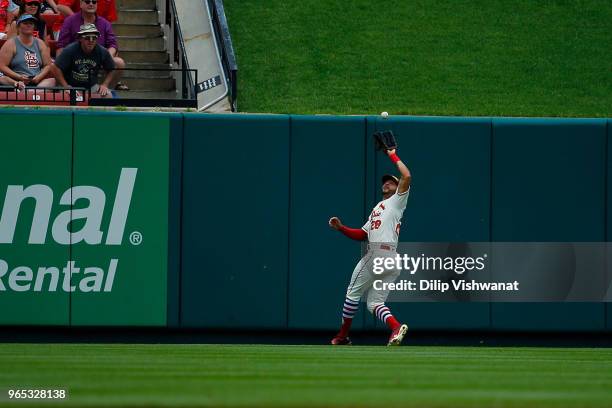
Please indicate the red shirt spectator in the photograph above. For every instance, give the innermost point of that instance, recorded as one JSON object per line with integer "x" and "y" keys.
{"x": 74, "y": 6}
{"x": 108, "y": 10}
{"x": 4, "y": 4}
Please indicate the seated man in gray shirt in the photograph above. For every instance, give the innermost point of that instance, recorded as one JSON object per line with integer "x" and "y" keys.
{"x": 78, "y": 65}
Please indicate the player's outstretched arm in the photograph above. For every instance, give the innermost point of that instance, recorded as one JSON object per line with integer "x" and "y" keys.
{"x": 406, "y": 178}
{"x": 354, "y": 233}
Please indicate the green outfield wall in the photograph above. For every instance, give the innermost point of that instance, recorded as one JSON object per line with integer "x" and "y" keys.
{"x": 84, "y": 224}
{"x": 549, "y": 184}
{"x": 220, "y": 221}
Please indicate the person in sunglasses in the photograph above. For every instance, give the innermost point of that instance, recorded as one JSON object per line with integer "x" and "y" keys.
{"x": 79, "y": 64}
{"x": 25, "y": 58}
{"x": 46, "y": 6}
{"x": 106, "y": 8}
{"x": 33, "y": 8}
{"x": 88, "y": 15}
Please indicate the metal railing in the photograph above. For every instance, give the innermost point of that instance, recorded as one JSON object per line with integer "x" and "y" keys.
{"x": 225, "y": 45}
{"x": 188, "y": 92}
{"x": 167, "y": 17}
{"x": 176, "y": 46}
{"x": 44, "y": 96}
{"x": 84, "y": 97}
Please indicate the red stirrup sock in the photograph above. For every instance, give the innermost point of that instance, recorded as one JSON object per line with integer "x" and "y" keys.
{"x": 346, "y": 326}
{"x": 392, "y": 323}
{"x": 384, "y": 314}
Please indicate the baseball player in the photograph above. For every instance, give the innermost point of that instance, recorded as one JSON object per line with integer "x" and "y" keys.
{"x": 382, "y": 232}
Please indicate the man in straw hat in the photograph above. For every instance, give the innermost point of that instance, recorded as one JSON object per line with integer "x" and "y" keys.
{"x": 80, "y": 62}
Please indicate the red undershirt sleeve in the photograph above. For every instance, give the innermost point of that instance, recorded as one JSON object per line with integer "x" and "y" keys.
{"x": 354, "y": 233}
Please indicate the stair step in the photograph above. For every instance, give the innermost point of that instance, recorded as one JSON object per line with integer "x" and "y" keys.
{"x": 151, "y": 57}
{"x": 148, "y": 94}
{"x": 147, "y": 74}
{"x": 142, "y": 43}
{"x": 144, "y": 30}
{"x": 136, "y": 4}
{"x": 146, "y": 65}
{"x": 137, "y": 17}
{"x": 148, "y": 84}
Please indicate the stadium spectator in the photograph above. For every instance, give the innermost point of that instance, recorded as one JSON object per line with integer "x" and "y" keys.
{"x": 25, "y": 59}
{"x": 49, "y": 7}
{"x": 66, "y": 8}
{"x": 3, "y": 18}
{"x": 79, "y": 64}
{"x": 8, "y": 11}
{"x": 106, "y": 39}
{"x": 33, "y": 8}
{"x": 13, "y": 7}
{"x": 106, "y": 8}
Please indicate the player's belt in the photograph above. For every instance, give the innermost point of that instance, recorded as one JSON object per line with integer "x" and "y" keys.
{"x": 376, "y": 247}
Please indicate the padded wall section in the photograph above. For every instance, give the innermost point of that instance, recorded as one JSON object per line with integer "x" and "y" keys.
{"x": 235, "y": 221}
{"x": 174, "y": 219}
{"x": 38, "y": 164}
{"x": 325, "y": 182}
{"x": 122, "y": 280}
{"x": 450, "y": 162}
{"x": 548, "y": 186}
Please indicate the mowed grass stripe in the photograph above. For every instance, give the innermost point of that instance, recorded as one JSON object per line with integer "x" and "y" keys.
{"x": 444, "y": 57}
{"x": 272, "y": 376}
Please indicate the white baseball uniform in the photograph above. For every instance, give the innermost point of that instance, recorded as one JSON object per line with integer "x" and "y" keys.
{"x": 382, "y": 227}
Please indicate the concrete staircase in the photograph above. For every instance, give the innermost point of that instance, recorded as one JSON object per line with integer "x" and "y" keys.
{"x": 142, "y": 45}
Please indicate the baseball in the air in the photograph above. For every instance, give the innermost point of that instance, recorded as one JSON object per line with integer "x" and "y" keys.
{"x": 384, "y": 115}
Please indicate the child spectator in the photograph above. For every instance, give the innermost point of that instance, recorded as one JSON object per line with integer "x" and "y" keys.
{"x": 25, "y": 59}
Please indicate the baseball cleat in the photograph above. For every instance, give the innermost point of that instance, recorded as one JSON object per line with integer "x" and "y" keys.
{"x": 341, "y": 341}
{"x": 397, "y": 335}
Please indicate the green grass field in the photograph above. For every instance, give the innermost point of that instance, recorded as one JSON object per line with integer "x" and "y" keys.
{"x": 443, "y": 57}
{"x": 311, "y": 376}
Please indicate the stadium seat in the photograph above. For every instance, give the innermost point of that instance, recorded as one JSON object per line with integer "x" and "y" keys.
{"x": 50, "y": 20}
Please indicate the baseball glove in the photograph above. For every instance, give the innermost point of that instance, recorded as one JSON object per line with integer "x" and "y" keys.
{"x": 385, "y": 140}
